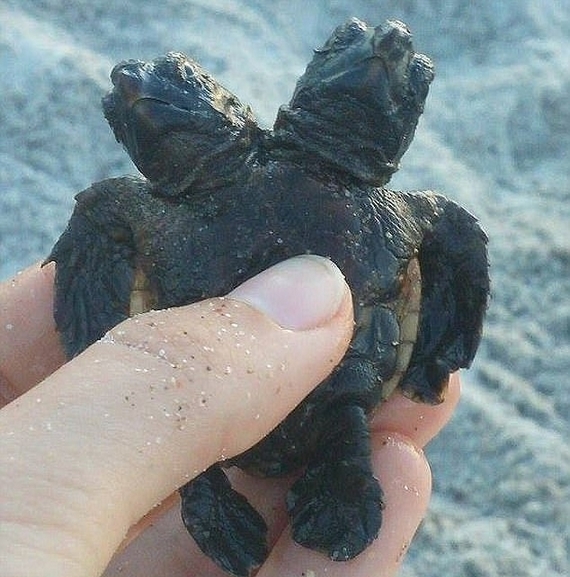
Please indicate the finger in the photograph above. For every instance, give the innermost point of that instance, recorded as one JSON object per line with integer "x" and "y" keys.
{"x": 161, "y": 398}
{"x": 161, "y": 545}
{"x": 417, "y": 421}
{"x": 29, "y": 345}
{"x": 406, "y": 480}
{"x": 164, "y": 549}
{"x": 398, "y": 416}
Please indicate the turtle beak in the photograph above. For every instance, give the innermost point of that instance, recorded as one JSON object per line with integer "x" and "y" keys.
{"x": 140, "y": 107}
{"x": 127, "y": 81}
{"x": 392, "y": 41}
{"x": 392, "y": 46}
{"x": 127, "y": 78}
{"x": 124, "y": 109}
{"x": 404, "y": 69}
{"x": 133, "y": 82}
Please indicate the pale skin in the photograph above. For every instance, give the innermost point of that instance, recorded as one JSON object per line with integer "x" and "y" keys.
{"x": 90, "y": 447}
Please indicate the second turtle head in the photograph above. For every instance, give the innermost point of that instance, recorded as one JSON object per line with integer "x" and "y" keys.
{"x": 359, "y": 101}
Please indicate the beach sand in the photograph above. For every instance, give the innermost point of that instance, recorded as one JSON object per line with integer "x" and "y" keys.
{"x": 495, "y": 137}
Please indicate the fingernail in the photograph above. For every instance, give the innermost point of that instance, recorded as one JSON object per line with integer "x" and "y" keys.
{"x": 301, "y": 293}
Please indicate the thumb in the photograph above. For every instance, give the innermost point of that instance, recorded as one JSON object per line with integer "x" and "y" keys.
{"x": 164, "y": 395}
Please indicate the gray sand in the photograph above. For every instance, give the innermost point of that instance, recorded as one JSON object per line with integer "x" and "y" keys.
{"x": 495, "y": 137}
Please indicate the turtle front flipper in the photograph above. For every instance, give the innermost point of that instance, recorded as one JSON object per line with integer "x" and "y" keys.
{"x": 455, "y": 288}
{"x": 336, "y": 506}
{"x": 223, "y": 523}
{"x": 95, "y": 265}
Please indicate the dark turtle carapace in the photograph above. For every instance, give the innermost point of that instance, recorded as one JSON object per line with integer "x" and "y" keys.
{"x": 223, "y": 199}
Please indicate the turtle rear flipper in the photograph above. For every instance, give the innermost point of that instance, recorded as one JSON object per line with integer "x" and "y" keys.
{"x": 336, "y": 505}
{"x": 455, "y": 289}
{"x": 223, "y": 523}
{"x": 95, "y": 263}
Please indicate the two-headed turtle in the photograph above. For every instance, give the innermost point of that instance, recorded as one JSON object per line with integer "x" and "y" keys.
{"x": 224, "y": 199}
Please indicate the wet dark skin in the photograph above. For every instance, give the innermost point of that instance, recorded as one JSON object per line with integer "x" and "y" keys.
{"x": 52, "y": 535}
{"x": 223, "y": 200}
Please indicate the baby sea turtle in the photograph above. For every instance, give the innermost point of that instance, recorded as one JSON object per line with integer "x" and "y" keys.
{"x": 224, "y": 199}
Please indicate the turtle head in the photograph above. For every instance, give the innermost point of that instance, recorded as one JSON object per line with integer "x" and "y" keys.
{"x": 359, "y": 101}
{"x": 176, "y": 122}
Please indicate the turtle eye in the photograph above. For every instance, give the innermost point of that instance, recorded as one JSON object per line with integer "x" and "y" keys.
{"x": 171, "y": 67}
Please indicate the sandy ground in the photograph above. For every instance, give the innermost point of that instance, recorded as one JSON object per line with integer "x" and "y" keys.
{"x": 495, "y": 136}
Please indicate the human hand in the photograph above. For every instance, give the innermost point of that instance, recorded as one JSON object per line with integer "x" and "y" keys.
{"x": 88, "y": 452}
